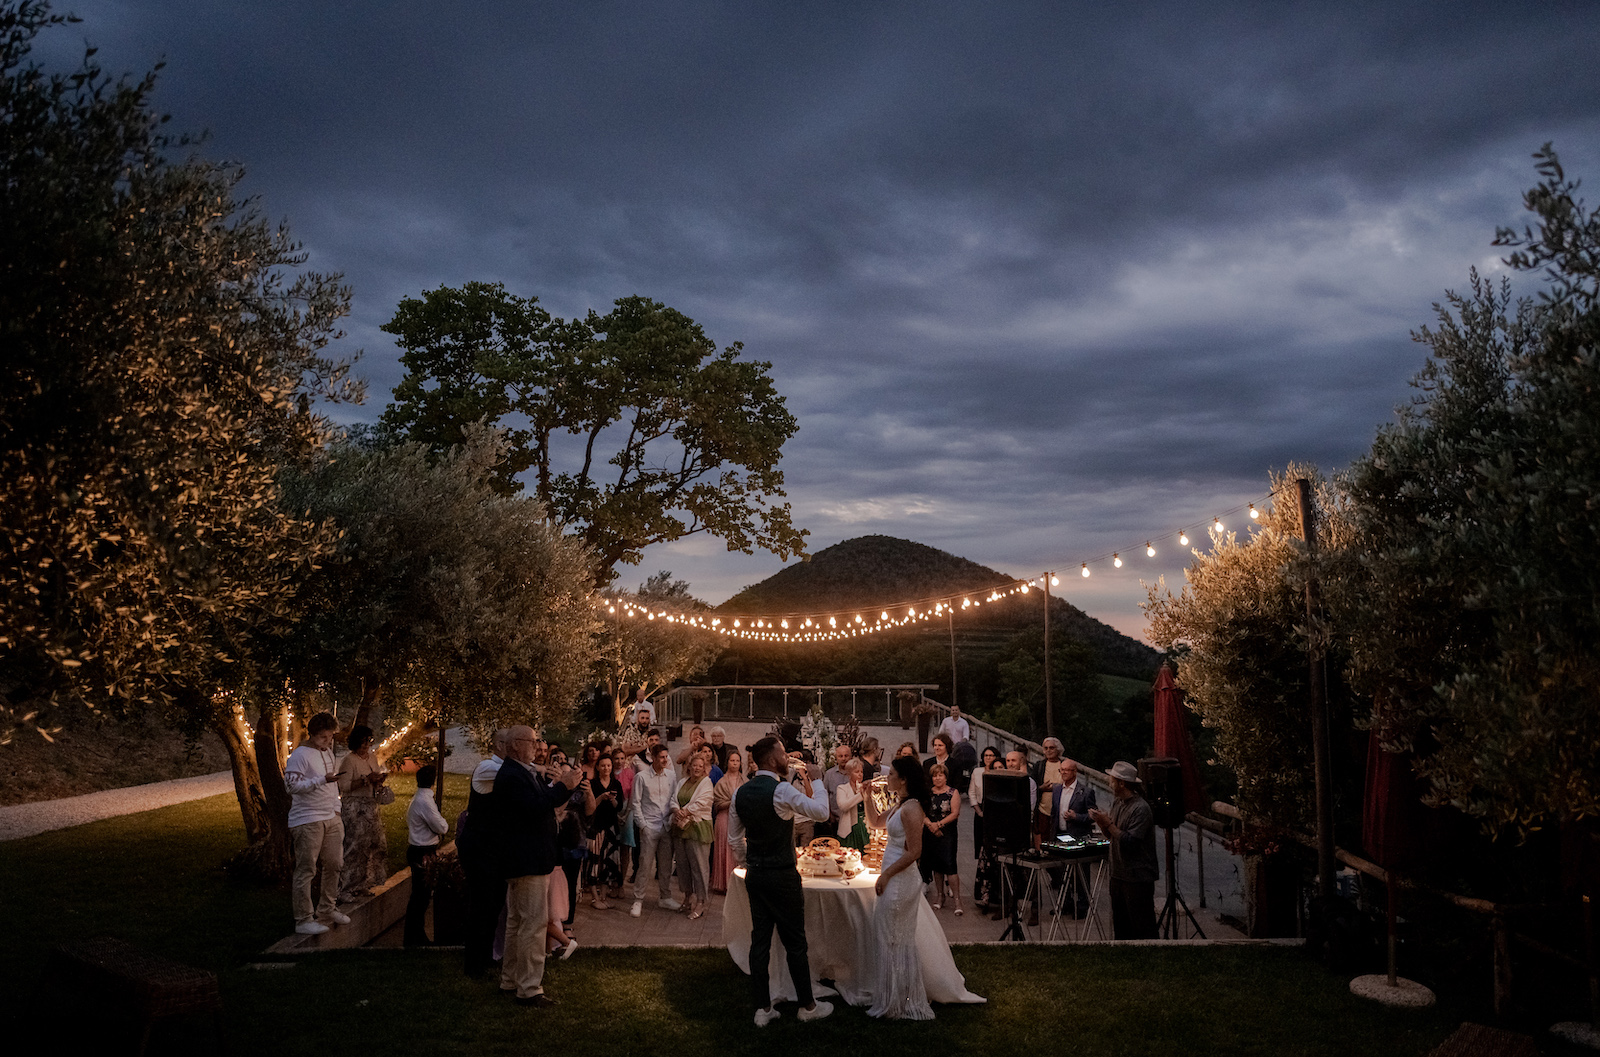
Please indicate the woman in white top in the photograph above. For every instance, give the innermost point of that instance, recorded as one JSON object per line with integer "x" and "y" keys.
{"x": 852, "y": 814}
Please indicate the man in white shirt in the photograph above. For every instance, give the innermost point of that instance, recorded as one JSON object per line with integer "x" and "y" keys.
{"x": 424, "y": 826}
{"x": 316, "y": 829}
{"x": 958, "y": 729}
{"x": 832, "y": 779}
{"x": 760, "y": 837}
{"x": 655, "y": 794}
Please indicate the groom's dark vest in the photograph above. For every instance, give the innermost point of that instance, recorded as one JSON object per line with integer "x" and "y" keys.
{"x": 769, "y": 840}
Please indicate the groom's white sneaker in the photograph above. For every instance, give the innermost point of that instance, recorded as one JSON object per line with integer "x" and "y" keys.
{"x": 766, "y": 1016}
{"x": 816, "y": 1012}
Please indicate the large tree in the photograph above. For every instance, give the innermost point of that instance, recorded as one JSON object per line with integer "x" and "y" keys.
{"x": 160, "y": 355}
{"x": 1474, "y": 607}
{"x": 634, "y": 427}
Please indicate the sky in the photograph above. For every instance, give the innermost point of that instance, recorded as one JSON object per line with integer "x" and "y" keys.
{"x": 1040, "y": 281}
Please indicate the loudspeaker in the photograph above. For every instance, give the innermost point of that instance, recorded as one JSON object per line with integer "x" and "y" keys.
{"x": 1007, "y": 813}
{"x": 1163, "y": 789}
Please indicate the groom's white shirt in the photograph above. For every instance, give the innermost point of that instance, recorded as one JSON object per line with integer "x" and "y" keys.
{"x": 788, "y": 801}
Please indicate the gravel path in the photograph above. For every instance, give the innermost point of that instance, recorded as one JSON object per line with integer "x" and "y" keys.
{"x": 25, "y": 820}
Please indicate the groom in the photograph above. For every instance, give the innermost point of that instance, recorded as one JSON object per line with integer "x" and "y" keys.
{"x": 761, "y": 836}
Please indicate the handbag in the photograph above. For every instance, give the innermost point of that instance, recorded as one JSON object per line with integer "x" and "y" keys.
{"x": 384, "y": 795}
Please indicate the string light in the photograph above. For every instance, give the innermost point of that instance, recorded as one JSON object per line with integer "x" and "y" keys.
{"x": 1055, "y": 581}
{"x": 1115, "y": 560}
{"x": 1255, "y": 514}
{"x": 1085, "y": 570}
{"x": 1150, "y": 550}
{"x": 1216, "y": 525}
{"x": 1183, "y": 539}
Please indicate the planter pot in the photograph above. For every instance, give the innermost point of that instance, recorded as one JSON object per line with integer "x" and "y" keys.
{"x": 1272, "y": 889}
{"x": 699, "y": 710}
{"x": 924, "y": 721}
{"x": 674, "y": 733}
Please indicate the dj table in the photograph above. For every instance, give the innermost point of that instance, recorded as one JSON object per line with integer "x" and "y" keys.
{"x": 1084, "y": 861}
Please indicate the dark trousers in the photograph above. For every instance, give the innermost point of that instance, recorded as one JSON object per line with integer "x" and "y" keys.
{"x": 1133, "y": 910}
{"x": 777, "y": 901}
{"x": 417, "y": 905}
{"x": 486, "y": 898}
{"x": 572, "y": 868}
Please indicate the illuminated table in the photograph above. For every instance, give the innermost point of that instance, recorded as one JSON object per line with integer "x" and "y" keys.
{"x": 839, "y": 941}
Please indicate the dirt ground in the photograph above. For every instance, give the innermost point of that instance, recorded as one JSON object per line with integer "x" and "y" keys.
{"x": 91, "y": 754}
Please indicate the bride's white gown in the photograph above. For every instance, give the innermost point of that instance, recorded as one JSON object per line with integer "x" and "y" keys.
{"x": 899, "y": 992}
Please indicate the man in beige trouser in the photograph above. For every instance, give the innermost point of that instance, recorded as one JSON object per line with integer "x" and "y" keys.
{"x": 316, "y": 830}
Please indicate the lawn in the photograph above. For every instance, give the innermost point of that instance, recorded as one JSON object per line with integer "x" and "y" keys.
{"x": 155, "y": 879}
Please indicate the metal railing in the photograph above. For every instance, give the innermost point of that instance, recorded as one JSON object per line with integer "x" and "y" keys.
{"x": 795, "y": 699}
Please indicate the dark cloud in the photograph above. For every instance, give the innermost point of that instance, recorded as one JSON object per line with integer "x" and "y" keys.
{"x": 1039, "y": 279}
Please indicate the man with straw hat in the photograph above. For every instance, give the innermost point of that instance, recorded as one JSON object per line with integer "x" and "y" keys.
{"x": 1132, "y": 830}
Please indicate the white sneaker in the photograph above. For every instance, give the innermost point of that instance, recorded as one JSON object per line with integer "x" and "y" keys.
{"x": 638, "y": 907}
{"x": 572, "y": 945}
{"x": 338, "y": 917}
{"x": 766, "y": 1016}
{"x": 670, "y": 904}
{"x": 817, "y": 1012}
{"x": 311, "y": 928}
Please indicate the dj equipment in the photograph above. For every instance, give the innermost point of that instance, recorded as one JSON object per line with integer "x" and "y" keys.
{"x": 1071, "y": 848}
{"x": 1007, "y": 813}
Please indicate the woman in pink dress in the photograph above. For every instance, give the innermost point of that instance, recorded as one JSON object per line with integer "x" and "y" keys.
{"x": 721, "y": 801}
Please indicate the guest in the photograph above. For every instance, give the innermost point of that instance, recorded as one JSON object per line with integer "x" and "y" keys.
{"x": 591, "y": 753}
{"x": 362, "y": 790}
{"x": 941, "y": 755}
{"x": 1071, "y": 802}
{"x": 1131, "y": 828}
{"x": 958, "y": 729}
{"x": 697, "y": 738}
{"x": 804, "y": 828}
{"x": 871, "y": 756}
{"x": 572, "y": 841}
{"x": 486, "y": 886}
{"x": 907, "y": 748}
{"x": 721, "y": 801}
{"x": 601, "y": 825}
{"x": 525, "y": 831}
{"x": 939, "y": 842}
{"x": 627, "y": 837}
{"x": 985, "y": 882}
{"x": 642, "y": 759}
{"x": 1017, "y": 763}
{"x": 691, "y": 835}
{"x": 653, "y": 791}
{"x": 712, "y": 770}
{"x": 850, "y": 809}
{"x": 316, "y": 832}
{"x": 832, "y": 779}
{"x": 424, "y": 827}
{"x": 720, "y": 746}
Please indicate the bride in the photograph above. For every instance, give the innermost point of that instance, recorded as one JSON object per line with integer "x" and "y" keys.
{"x": 899, "y": 992}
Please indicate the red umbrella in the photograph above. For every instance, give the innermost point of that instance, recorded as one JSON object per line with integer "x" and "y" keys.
{"x": 1389, "y": 833}
{"x": 1172, "y": 737}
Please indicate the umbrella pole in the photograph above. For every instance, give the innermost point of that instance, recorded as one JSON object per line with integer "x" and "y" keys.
{"x": 1394, "y": 913}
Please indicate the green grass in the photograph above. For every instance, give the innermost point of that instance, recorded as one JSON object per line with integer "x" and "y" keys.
{"x": 155, "y": 879}
{"x": 1227, "y": 1000}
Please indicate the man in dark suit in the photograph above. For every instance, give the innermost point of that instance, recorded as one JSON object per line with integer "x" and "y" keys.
{"x": 525, "y": 804}
{"x": 1071, "y": 800}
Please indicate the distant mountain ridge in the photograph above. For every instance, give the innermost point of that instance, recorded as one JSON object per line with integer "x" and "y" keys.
{"x": 878, "y": 570}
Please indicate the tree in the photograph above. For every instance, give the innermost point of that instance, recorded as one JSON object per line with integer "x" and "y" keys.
{"x": 1239, "y": 629}
{"x": 160, "y": 359}
{"x": 1471, "y": 612}
{"x": 456, "y": 603}
{"x": 650, "y": 654}
{"x": 698, "y": 433}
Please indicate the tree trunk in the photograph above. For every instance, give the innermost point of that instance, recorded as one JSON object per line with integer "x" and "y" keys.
{"x": 246, "y": 776}
{"x": 370, "y": 689}
{"x": 265, "y": 814}
{"x": 277, "y": 858}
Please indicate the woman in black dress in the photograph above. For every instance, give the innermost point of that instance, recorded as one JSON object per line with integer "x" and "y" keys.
{"x": 601, "y": 826}
{"x": 939, "y": 840}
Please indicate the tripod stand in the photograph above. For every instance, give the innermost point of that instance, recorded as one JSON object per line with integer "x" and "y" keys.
{"x": 1167, "y": 923}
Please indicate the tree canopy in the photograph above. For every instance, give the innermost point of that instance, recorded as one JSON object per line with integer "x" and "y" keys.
{"x": 668, "y": 436}
{"x": 1473, "y": 603}
{"x": 646, "y": 653}
{"x": 161, "y": 352}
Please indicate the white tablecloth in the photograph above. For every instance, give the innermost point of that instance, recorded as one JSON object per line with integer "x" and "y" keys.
{"x": 839, "y": 941}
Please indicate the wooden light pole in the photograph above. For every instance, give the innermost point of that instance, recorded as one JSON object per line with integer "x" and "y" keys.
{"x": 1049, "y": 711}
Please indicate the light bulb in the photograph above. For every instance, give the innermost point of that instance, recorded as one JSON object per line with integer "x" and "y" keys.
{"x": 1055, "y": 581}
{"x": 785, "y": 623}
{"x": 966, "y": 603}
{"x": 1024, "y": 588}
{"x": 884, "y": 615}
{"x": 735, "y": 623}
{"x": 1183, "y": 539}
{"x": 832, "y": 623}
{"x": 1085, "y": 570}
{"x": 1116, "y": 561}
{"x": 1216, "y": 524}
{"x": 1254, "y": 513}
{"x": 1150, "y": 550}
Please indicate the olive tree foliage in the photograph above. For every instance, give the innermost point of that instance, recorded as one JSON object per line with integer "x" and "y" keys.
{"x": 160, "y": 353}
{"x": 459, "y": 604}
{"x": 1239, "y": 628}
{"x": 634, "y": 427}
{"x": 647, "y": 653}
{"x": 1472, "y": 607}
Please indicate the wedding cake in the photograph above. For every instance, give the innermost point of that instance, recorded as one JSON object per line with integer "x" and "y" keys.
{"x": 824, "y": 857}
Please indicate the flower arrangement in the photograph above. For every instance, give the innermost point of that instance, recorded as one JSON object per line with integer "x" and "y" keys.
{"x": 817, "y": 733}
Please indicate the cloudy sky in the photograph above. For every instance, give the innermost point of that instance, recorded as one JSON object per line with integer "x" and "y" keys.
{"x": 1039, "y": 280}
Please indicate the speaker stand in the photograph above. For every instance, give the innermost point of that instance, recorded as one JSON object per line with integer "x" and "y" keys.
{"x": 1167, "y": 923}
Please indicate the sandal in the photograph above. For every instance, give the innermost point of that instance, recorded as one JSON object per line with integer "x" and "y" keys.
{"x": 696, "y": 914}
{"x": 958, "y": 911}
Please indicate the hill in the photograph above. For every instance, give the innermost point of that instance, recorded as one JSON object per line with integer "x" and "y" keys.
{"x": 876, "y": 570}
